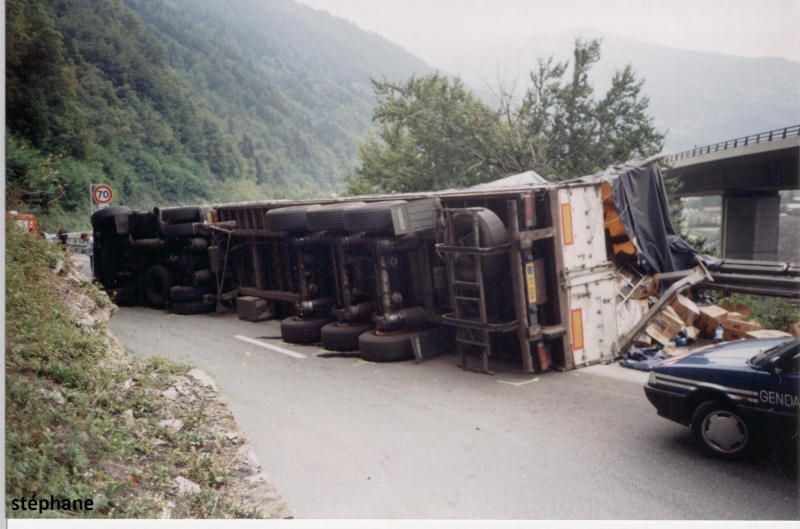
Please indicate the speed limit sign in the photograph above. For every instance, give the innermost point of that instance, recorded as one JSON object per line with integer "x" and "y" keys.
{"x": 102, "y": 194}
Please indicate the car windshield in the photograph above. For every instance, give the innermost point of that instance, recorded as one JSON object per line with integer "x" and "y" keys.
{"x": 761, "y": 358}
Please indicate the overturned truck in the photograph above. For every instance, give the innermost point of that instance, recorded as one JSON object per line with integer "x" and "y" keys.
{"x": 521, "y": 269}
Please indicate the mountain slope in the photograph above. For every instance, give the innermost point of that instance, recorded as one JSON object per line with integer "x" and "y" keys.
{"x": 292, "y": 82}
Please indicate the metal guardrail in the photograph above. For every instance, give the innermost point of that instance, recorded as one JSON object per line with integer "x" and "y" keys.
{"x": 763, "y": 137}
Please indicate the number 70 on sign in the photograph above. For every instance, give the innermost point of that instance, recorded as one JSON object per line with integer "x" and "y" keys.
{"x": 100, "y": 194}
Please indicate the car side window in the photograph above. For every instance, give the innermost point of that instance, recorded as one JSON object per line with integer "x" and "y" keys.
{"x": 790, "y": 361}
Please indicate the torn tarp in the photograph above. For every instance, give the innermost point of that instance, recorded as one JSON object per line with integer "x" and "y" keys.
{"x": 641, "y": 202}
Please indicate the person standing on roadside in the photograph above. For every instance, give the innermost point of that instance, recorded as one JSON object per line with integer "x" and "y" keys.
{"x": 89, "y": 241}
{"x": 62, "y": 236}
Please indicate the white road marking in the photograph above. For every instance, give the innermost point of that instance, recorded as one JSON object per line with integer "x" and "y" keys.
{"x": 272, "y": 347}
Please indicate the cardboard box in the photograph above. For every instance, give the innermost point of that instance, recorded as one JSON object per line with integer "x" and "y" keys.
{"x": 794, "y": 330}
{"x": 765, "y": 333}
{"x": 710, "y": 317}
{"x": 744, "y": 310}
{"x": 737, "y": 329}
{"x": 692, "y": 333}
{"x": 665, "y": 326}
{"x": 735, "y": 316}
{"x": 687, "y": 309}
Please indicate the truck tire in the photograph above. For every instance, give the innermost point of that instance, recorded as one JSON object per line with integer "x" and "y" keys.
{"x": 373, "y": 217}
{"x": 198, "y": 244}
{"x": 157, "y": 283}
{"x": 187, "y": 293}
{"x": 338, "y": 336}
{"x": 99, "y": 216}
{"x": 329, "y": 217}
{"x": 302, "y": 330}
{"x": 385, "y": 347}
{"x": 720, "y": 430}
{"x": 181, "y": 215}
{"x": 202, "y": 277}
{"x": 178, "y": 231}
{"x": 186, "y": 308}
{"x": 291, "y": 219}
{"x": 492, "y": 233}
{"x": 143, "y": 225}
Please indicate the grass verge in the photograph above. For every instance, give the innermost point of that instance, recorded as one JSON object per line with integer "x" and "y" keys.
{"x": 86, "y": 421}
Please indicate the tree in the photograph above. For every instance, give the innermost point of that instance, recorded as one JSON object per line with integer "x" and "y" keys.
{"x": 434, "y": 134}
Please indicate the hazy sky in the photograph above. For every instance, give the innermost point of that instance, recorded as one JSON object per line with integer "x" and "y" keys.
{"x": 749, "y": 28}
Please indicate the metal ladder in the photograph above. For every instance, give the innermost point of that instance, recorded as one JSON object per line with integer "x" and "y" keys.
{"x": 468, "y": 297}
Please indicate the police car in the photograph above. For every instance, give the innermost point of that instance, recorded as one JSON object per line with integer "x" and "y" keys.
{"x": 731, "y": 392}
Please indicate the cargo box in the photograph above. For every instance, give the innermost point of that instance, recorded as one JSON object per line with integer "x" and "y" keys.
{"x": 664, "y": 327}
{"x": 765, "y": 333}
{"x": 737, "y": 329}
{"x": 687, "y": 309}
{"x": 710, "y": 317}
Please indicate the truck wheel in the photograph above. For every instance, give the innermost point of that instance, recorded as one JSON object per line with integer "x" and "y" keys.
{"x": 99, "y": 216}
{"x": 178, "y": 231}
{"x": 186, "y": 293}
{"x": 492, "y": 233}
{"x": 720, "y": 430}
{"x": 290, "y": 219}
{"x": 302, "y": 330}
{"x": 338, "y": 336}
{"x": 181, "y": 215}
{"x": 376, "y": 216}
{"x": 186, "y": 308}
{"x": 385, "y": 347}
{"x": 143, "y": 225}
{"x": 157, "y": 282}
{"x": 329, "y": 217}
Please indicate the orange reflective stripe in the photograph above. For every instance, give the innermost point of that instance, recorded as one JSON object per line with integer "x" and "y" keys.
{"x": 566, "y": 223}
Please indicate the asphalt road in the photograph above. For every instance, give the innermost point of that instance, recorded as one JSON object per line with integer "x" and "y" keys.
{"x": 343, "y": 438}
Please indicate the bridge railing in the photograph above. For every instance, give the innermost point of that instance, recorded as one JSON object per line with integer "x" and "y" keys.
{"x": 763, "y": 137}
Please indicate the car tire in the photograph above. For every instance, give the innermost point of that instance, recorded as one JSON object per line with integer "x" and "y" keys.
{"x": 181, "y": 215}
{"x": 302, "y": 330}
{"x": 720, "y": 430}
{"x": 157, "y": 283}
{"x": 291, "y": 219}
{"x": 329, "y": 217}
{"x": 342, "y": 337}
{"x": 187, "y": 308}
{"x": 385, "y": 347}
{"x": 373, "y": 217}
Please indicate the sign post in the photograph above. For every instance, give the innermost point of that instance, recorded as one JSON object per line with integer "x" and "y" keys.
{"x": 101, "y": 194}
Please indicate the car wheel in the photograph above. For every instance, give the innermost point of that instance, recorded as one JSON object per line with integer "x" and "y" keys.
{"x": 385, "y": 347}
{"x": 720, "y": 430}
{"x": 157, "y": 282}
{"x": 338, "y": 336}
{"x": 302, "y": 330}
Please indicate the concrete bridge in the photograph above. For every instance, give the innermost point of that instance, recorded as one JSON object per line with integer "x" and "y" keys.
{"x": 748, "y": 173}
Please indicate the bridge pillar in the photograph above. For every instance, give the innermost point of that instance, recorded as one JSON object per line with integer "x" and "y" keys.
{"x": 750, "y": 225}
